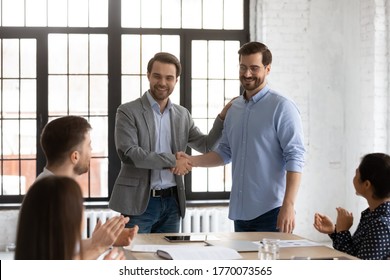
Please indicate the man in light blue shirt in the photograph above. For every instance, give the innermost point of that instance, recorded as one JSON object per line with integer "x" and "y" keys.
{"x": 263, "y": 138}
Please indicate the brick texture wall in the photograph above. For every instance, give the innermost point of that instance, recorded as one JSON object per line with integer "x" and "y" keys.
{"x": 331, "y": 58}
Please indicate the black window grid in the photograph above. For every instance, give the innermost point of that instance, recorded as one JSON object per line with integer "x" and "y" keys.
{"x": 114, "y": 32}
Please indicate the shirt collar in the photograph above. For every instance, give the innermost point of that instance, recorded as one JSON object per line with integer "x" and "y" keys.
{"x": 47, "y": 171}
{"x": 382, "y": 209}
{"x": 154, "y": 103}
{"x": 260, "y": 94}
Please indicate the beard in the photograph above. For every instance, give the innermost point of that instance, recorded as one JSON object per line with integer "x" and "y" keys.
{"x": 159, "y": 93}
{"x": 81, "y": 168}
{"x": 251, "y": 83}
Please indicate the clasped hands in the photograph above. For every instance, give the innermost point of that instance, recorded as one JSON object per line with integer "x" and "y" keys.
{"x": 183, "y": 161}
{"x": 183, "y": 164}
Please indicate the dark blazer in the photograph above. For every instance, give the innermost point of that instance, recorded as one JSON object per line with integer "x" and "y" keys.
{"x": 135, "y": 145}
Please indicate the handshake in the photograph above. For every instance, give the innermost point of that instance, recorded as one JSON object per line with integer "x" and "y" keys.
{"x": 184, "y": 164}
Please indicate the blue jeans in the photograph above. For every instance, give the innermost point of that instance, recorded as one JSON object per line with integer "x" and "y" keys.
{"x": 265, "y": 222}
{"x": 161, "y": 216}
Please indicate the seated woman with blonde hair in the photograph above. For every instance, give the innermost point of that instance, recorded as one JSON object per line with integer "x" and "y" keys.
{"x": 51, "y": 222}
{"x": 371, "y": 239}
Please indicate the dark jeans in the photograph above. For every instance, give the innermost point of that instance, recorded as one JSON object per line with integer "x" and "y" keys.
{"x": 265, "y": 222}
{"x": 161, "y": 216}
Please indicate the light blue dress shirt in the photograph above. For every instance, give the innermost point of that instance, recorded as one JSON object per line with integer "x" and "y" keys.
{"x": 263, "y": 138}
{"x": 163, "y": 178}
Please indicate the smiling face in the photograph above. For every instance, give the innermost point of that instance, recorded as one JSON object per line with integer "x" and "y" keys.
{"x": 253, "y": 73}
{"x": 162, "y": 80}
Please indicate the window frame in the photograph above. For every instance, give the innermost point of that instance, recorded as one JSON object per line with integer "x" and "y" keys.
{"x": 114, "y": 31}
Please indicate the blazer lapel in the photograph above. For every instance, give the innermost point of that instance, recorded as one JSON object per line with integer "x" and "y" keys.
{"x": 174, "y": 128}
{"x": 149, "y": 120}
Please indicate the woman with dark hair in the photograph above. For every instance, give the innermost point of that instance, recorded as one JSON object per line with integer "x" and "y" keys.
{"x": 372, "y": 237}
{"x": 51, "y": 221}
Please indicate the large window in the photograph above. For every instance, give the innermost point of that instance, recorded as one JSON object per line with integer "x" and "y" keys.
{"x": 86, "y": 57}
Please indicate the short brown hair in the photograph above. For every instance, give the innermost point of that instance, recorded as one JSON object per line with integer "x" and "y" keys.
{"x": 165, "y": 57}
{"x": 62, "y": 135}
{"x": 256, "y": 47}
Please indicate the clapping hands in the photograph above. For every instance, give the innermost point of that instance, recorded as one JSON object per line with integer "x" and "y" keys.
{"x": 126, "y": 236}
{"x": 324, "y": 224}
{"x": 344, "y": 219}
{"x": 105, "y": 234}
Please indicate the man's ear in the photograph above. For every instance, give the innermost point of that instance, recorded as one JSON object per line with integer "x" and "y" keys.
{"x": 268, "y": 69}
{"x": 74, "y": 157}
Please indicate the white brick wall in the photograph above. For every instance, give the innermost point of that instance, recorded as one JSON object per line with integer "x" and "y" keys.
{"x": 283, "y": 27}
{"x": 374, "y": 31}
{"x": 381, "y": 75}
{"x": 331, "y": 58}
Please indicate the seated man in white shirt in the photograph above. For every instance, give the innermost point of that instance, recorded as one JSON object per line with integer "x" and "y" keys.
{"x": 66, "y": 142}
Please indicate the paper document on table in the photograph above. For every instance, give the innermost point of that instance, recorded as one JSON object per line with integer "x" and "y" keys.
{"x": 198, "y": 253}
{"x": 151, "y": 248}
{"x": 298, "y": 243}
{"x": 183, "y": 252}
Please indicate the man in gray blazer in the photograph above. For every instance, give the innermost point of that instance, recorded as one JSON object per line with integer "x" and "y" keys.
{"x": 149, "y": 131}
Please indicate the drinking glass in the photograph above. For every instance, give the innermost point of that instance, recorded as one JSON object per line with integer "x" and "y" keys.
{"x": 269, "y": 249}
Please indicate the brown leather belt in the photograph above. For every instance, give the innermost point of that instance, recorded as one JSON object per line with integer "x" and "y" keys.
{"x": 163, "y": 192}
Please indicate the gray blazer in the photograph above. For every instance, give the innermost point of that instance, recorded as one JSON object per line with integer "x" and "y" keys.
{"x": 135, "y": 145}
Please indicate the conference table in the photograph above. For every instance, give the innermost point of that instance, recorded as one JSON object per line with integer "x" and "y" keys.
{"x": 286, "y": 253}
